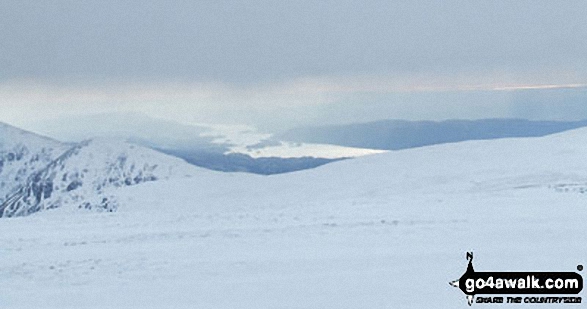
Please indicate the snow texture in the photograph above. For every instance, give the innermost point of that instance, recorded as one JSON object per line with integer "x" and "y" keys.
{"x": 382, "y": 231}
{"x": 34, "y": 178}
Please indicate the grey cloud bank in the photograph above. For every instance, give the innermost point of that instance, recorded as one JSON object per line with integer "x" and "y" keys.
{"x": 264, "y": 41}
{"x": 279, "y": 64}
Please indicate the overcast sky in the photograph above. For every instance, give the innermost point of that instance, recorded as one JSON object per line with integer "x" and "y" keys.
{"x": 257, "y": 56}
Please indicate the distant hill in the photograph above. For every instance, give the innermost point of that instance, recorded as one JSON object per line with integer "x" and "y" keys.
{"x": 189, "y": 142}
{"x": 238, "y": 162}
{"x": 401, "y": 134}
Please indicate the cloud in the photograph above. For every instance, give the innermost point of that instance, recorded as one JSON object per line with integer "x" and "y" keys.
{"x": 261, "y": 41}
{"x": 286, "y": 62}
{"x": 302, "y": 101}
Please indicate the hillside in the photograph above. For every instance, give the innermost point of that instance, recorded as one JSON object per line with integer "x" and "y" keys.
{"x": 21, "y": 155}
{"x": 374, "y": 232}
{"x": 39, "y": 174}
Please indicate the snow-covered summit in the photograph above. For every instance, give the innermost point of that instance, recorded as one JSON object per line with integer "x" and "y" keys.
{"x": 23, "y": 153}
{"x": 10, "y": 135}
{"x": 41, "y": 174}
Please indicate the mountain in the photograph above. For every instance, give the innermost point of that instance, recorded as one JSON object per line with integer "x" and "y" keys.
{"x": 21, "y": 155}
{"x": 380, "y": 231}
{"x": 401, "y": 134}
{"x": 39, "y": 173}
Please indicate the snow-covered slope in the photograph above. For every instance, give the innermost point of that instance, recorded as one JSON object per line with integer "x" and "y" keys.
{"x": 545, "y": 163}
{"x": 383, "y": 231}
{"x": 42, "y": 174}
{"x": 22, "y": 154}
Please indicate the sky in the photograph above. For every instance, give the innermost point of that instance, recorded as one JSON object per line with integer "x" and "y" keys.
{"x": 291, "y": 62}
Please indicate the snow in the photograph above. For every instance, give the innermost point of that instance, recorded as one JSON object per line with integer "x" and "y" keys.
{"x": 21, "y": 154}
{"x": 82, "y": 176}
{"x": 382, "y": 231}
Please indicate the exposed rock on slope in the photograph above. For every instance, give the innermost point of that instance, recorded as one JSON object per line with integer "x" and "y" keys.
{"x": 84, "y": 175}
{"x": 21, "y": 155}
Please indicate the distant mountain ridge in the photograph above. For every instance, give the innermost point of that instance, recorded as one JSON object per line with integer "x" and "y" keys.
{"x": 238, "y": 162}
{"x": 199, "y": 145}
{"x": 401, "y": 134}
